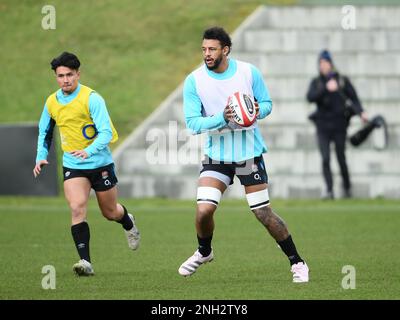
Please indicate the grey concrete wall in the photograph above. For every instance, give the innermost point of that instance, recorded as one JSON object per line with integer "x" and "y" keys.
{"x": 18, "y": 144}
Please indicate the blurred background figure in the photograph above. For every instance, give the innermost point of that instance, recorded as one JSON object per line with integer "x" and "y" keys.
{"x": 337, "y": 102}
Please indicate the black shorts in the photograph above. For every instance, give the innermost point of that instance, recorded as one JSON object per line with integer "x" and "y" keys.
{"x": 249, "y": 172}
{"x": 101, "y": 179}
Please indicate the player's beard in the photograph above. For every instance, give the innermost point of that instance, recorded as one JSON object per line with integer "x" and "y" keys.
{"x": 216, "y": 64}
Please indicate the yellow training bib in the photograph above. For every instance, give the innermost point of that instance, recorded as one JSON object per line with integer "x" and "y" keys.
{"x": 77, "y": 130}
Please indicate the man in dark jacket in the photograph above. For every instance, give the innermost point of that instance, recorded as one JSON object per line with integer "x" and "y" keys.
{"x": 337, "y": 102}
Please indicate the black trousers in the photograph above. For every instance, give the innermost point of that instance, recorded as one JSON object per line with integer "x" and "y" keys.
{"x": 338, "y": 137}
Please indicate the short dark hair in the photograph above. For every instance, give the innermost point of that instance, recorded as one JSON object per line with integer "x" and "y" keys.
{"x": 66, "y": 59}
{"x": 218, "y": 33}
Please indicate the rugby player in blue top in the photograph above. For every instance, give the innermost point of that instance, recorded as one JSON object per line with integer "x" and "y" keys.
{"x": 230, "y": 149}
{"x": 86, "y": 131}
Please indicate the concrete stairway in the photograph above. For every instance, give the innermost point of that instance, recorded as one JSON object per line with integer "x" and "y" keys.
{"x": 161, "y": 159}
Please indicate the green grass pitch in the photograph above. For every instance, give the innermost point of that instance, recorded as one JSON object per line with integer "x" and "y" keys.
{"x": 35, "y": 232}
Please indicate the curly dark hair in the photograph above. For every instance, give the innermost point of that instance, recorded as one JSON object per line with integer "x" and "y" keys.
{"x": 218, "y": 33}
{"x": 65, "y": 59}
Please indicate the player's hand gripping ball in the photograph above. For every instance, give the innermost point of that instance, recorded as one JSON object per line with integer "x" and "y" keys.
{"x": 243, "y": 109}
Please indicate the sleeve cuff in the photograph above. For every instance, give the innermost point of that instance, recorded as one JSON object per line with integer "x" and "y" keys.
{"x": 89, "y": 152}
{"x": 222, "y": 121}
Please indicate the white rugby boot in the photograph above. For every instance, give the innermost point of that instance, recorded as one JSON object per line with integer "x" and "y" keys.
{"x": 133, "y": 235}
{"x": 196, "y": 260}
{"x": 83, "y": 268}
{"x": 300, "y": 272}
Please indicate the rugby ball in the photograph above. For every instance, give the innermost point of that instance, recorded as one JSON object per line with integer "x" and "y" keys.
{"x": 243, "y": 108}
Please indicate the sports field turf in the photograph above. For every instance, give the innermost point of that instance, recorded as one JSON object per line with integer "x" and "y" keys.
{"x": 248, "y": 264}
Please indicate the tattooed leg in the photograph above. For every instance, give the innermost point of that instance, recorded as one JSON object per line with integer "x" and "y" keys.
{"x": 272, "y": 222}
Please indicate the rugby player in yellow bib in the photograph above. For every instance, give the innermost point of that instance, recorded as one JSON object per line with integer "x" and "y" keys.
{"x": 86, "y": 131}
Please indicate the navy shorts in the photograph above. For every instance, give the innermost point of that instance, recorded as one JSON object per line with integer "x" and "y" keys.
{"x": 250, "y": 172}
{"x": 101, "y": 179}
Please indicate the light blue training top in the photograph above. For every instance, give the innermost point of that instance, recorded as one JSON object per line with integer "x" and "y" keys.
{"x": 200, "y": 92}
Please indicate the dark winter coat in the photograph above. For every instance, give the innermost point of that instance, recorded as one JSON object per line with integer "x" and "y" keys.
{"x": 334, "y": 109}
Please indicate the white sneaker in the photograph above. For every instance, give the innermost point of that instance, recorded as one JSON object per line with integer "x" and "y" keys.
{"x": 133, "y": 235}
{"x": 83, "y": 268}
{"x": 300, "y": 272}
{"x": 196, "y": 260}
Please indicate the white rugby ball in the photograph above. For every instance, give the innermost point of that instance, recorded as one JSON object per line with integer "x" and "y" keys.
{"x": 244, "y": 111}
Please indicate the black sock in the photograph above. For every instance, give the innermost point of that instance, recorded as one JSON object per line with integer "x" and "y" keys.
{"x": 204, "y": 245}
{"x": 81, "y": 234}
{"x": 289, "y": 249}
{"x": 126, "y": 222}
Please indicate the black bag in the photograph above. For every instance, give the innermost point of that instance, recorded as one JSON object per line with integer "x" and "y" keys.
{"x": 313, "y": 116}
{"x": 361, "y": 135}
{"x": 349, "y": 110}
